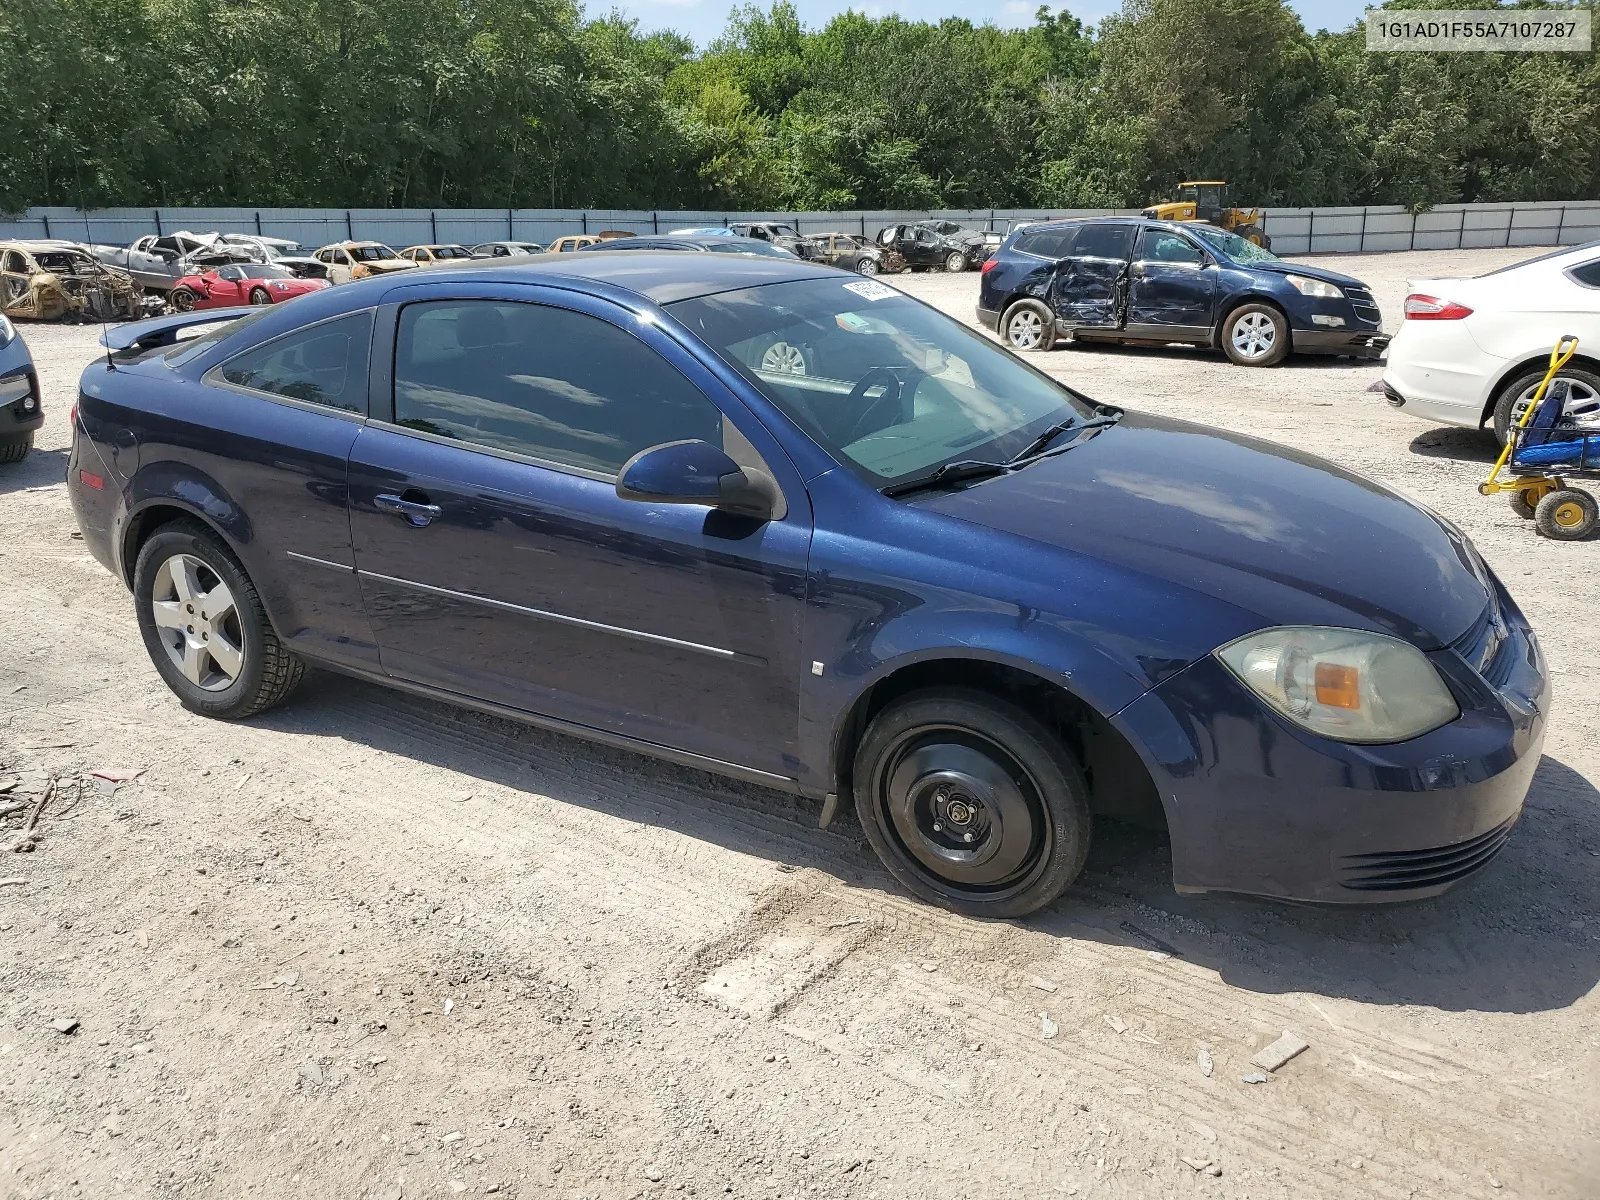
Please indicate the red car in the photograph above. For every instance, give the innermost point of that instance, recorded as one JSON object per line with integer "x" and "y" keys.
{"x": 240, "y": 283}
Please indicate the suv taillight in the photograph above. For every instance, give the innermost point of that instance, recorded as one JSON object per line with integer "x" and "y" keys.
{"x": 989, "y": 264}
{"x": 1421, "y": 307}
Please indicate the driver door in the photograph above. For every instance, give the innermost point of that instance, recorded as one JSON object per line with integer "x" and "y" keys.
{"x": 519, "y": 576}
{"x": 227, "y": 286}
{"x": 1171, "y": 288}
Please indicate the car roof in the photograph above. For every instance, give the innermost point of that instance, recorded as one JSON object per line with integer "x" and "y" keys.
{"x": 663, "y": 276}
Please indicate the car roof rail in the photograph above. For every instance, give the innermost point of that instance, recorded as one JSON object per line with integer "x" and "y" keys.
{"x": 163, "y": 331}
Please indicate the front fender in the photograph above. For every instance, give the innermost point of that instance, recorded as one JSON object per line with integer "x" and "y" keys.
{"x": 1094, "y": 666}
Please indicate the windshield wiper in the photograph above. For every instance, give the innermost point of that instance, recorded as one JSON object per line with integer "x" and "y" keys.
{"x": 1108, "y": 416}
{"x": 951, "y": 472}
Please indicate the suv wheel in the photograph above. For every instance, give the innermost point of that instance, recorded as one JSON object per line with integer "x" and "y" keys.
{"x": 204, "y": 626}
{"x": 1255, "y": 335}
{"x": 1029, "y": 325}
{"x": 955, "y": 261}
{"x": 972, "y": 803}
{"x": 867, "y": 265}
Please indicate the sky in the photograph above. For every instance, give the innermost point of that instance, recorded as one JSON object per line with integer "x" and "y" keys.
{"x": 703, "y": 20}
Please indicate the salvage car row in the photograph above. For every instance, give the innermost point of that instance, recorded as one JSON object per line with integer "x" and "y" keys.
{"x": 53, "y": 279}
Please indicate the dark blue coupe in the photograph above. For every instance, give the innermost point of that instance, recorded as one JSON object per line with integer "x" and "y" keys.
{"x": 801, "y": 529}
{"x": 1157, "y": 282}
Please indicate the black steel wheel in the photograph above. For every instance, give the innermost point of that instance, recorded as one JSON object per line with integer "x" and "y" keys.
{"x": 971, "y": 803}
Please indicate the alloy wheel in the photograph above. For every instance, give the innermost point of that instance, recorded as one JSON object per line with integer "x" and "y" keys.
{"x": 1582, "y": 409}
{"x": 1025, "y": 330}
{"x": 198, "y": 622}
{"x": 783, "y": 358}
{"x": 1254, "y": 335}
{"x": 867, "y": 266}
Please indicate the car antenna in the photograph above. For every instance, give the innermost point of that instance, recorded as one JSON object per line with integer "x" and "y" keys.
{"x": 88, "y": 240}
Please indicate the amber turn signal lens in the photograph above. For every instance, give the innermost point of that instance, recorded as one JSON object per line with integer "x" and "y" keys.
{"x": 1338, "y": 686}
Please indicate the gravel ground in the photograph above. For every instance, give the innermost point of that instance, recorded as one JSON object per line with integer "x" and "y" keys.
{"x": 366, "y": 945}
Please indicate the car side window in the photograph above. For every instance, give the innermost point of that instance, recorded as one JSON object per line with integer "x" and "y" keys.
{"x": 323, "y": 364}
{"x": 1103, "y": 241}
{"x": 1587, "y": 274}
{"x": 1163, "y": 245}
{"x": 1046, "y": 243}
{"x": 545, "y": 382}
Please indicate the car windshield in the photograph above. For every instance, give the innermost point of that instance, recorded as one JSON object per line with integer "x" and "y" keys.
{"x": 1231, "y": 244}
{"x": 265, "y": 271}
{"x": 887, "y": 385}
{"x": 371, "y": 253}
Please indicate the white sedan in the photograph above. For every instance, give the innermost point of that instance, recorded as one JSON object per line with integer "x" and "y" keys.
{"x": 1471, "y": 351}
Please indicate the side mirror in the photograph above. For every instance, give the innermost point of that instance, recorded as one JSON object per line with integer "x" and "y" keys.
{"x": 696, "y": 472}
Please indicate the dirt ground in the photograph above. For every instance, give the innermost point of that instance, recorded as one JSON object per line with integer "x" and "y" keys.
{"x": 369, "y": 946}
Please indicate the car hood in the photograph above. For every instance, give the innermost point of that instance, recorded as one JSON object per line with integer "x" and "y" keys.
{"x": 1284, "y": 536}
{"x": 1293, "y": 268}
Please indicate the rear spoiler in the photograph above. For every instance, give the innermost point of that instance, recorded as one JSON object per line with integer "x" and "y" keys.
{"x": 163, "y": 331}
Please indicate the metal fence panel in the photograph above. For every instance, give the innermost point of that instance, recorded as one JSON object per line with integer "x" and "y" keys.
{"x": 1353, "y": 229}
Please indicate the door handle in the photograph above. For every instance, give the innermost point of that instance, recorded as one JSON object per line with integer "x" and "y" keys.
{"x": 416, "y": 512}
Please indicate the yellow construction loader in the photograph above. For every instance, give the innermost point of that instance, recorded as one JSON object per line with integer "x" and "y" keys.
{"x": 1207, "y": 200}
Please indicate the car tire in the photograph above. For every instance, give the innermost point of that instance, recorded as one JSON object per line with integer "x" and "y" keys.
{"x": 259, "y": 296}
{"x": 866, "y": 266}
{"x": 972, "y": 803}
{"x": 1567, "y": 515}
{"x": 181, "y": 569}
{"x": 14, "y": 449}
{"x": 1255, "y": 335}
{"x": 180, "y": 300}
{"x": 955, "y": 262}
{"x": 1583, "y": 399}
{"x": 1028, "y": 326}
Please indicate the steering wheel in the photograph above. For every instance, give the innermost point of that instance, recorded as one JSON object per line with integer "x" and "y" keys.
{"x": 890, "y": 397}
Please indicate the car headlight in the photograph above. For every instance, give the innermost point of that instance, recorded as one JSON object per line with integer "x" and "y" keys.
{"x": 1319, "y": 288}
{"x": 1343, "y": 684}
{"x": 8, "y": 331}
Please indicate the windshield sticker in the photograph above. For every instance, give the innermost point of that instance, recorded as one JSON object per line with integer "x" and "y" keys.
{"x": 868, "y": 289}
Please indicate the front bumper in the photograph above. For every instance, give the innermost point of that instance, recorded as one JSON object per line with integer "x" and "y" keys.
{"x": 1259, "y": 806}
{"x": 21, "y": 409}
{"x": 1357, "y": 343}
